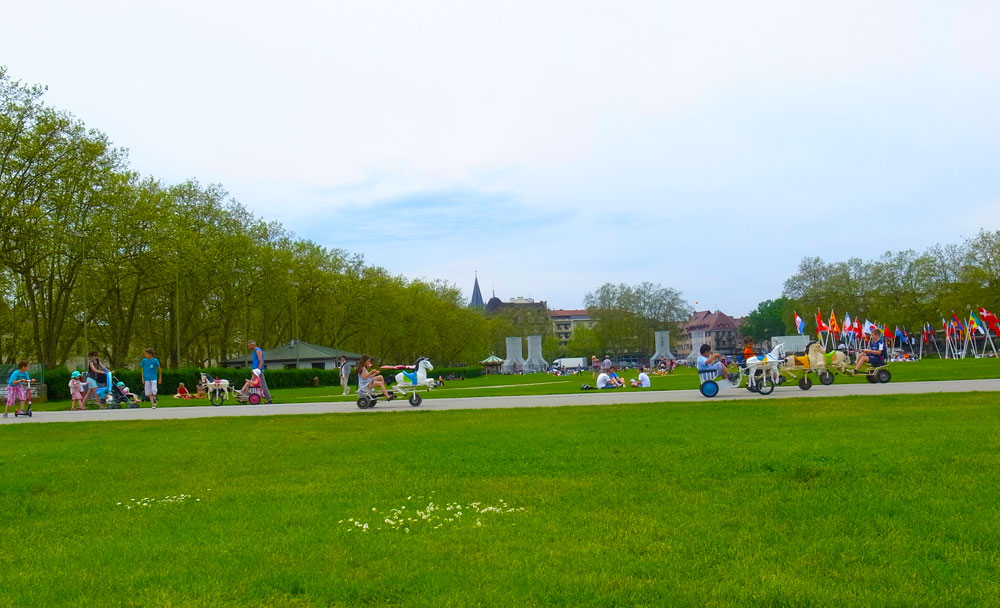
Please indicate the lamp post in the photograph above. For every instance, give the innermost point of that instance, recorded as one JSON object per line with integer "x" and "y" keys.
{"x": 295, "y": 317}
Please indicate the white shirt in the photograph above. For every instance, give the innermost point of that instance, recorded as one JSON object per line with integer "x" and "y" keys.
{"x": 702, "y": 361}
{"x": 602, "y": 380}
{"x": 643, "y": 380}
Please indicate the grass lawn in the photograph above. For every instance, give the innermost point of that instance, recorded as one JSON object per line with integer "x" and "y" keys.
{"x": 860, "y": 501}
{"x": 544, "y": 384}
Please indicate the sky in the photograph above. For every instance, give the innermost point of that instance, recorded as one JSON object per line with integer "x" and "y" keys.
{"x": 552, "y": 147}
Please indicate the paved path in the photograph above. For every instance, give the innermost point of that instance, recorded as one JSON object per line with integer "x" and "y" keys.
{"x": 468, "y": 403}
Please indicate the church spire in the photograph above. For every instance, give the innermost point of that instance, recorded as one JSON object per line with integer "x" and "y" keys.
{"x": 477, "y": 296}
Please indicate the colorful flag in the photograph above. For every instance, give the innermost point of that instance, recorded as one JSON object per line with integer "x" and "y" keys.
{"x": 958, "y": 324}
{"x": 991, "y": 319}
{"x": 820, "y": 325}
{"x": 848, "y": 326}
{"x": 800, "y": 325}
{"x": 868, "y": 327}
{"x": 858, "y": 332}
{"x": 923, "y": 333}
{"x": 834, "y": 328}
{"x": 975, "y": 323}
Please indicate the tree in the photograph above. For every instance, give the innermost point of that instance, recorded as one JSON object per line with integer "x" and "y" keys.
{"x": 771, "y": 318}
{"x": 627, "y": 316}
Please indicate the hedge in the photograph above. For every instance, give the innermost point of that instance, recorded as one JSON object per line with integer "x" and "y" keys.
{"x": 57, "y": 379}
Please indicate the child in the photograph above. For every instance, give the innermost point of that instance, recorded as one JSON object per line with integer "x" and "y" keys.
{"x": 182, "y": 392}
{"x": 748, "y": 349}
{"x": 129, "y": 393}
{"x": 152, "y": 374}
{"x": 252, "y": 382}
{"x": 76, "y": 392}
{"x": 18, "y": 386}
{"x": 345, "y": 374}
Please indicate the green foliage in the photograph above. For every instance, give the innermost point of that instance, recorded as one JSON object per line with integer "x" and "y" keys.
{"x": 95, "y": 257}
{"x": 772, "y": 318}
{"x": 628, "y": 316}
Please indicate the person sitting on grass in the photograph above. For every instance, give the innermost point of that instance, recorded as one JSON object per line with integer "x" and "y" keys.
{"x": 709, "y": 361}
{"x": 642, "y": 381}
{"x": 604, "y": 381}
{"x": 182, "y": 392}
{"x": 371, "y": 378}
{"x": 874, "y": 354}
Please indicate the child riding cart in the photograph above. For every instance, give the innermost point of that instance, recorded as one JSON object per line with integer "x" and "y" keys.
{"x": 815, "y": 361}
{"x": 409, "y": 380}
{"x": 873, "y": 361}
{"x": 251, "y": 392}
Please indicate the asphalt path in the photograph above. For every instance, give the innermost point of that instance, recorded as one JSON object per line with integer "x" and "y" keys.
{"x": 475, "y": 403}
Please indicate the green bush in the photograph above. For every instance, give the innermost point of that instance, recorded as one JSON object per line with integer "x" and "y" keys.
{"x": 57, "y": 379}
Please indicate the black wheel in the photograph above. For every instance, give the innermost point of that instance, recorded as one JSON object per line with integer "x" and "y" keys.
{"x": 709, "y": 388}
{"x": 415, "y": 399}
{"x": 883, "y": 375}
{"x": 216, "y": 397}
{"x": 766, "y": 387}
{"x": 805, "y": 383}
{"x": 871, "y": 378}
{"x": 365, "y": 402}
{"x": 826, "y": 377}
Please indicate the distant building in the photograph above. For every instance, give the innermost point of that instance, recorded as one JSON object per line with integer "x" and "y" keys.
{"x": 565, "y": 322}
{"x": 717, "y": 329}
{"x": 477, "y": 296}
{"x": 301, "y": 355}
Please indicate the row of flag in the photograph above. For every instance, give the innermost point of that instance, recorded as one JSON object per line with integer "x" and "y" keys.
{"x": 854, "y": 329}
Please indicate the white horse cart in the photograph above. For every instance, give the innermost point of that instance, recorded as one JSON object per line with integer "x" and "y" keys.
{"x": 409, "y": 380}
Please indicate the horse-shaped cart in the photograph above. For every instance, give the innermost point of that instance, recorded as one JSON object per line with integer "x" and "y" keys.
{"x": 409, "y": 380}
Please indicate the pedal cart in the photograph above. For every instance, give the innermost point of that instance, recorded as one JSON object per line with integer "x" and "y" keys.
{"x": 217, "y": 389}
{"x": 409, "y": 380}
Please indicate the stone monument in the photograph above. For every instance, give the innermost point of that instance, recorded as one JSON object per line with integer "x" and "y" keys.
{"x": 662, "y": 348}
{"x": 535, "y": 362}
{"x": 514, "y": 362}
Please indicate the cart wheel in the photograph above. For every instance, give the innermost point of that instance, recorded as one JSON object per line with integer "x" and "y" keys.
{"x": 826, "y": 377}
{"x": 254, "y": 398}
{"x": 364, "y": 402}
{"x": 415, "y": 399}
{"x": 766, "y": 387}
{"x": 216, "y": 397}
{"x": 709, "y": 388}
{"x": 805, "y": 383}
{"x": 871, "y": 379}
{"x": 883, "y": 375}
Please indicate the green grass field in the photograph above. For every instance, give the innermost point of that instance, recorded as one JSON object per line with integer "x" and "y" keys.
{"x": 544, "y": 384}
{"x": 863, "y": 501}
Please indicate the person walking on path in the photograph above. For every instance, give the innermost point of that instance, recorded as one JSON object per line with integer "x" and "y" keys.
{"x": 345, "y": 374}
{"x": 97, "y": 377}
{"x": 258, "y": 363}
{"x": 152, "y": 374}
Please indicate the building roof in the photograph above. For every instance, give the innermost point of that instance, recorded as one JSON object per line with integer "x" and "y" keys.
{"x": 568, "y": 313}
{"x": 303, "y": 351}
{"x": 706, "y": 320}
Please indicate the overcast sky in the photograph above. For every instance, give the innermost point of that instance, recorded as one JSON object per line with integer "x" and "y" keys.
{"x": 553, "y": 146}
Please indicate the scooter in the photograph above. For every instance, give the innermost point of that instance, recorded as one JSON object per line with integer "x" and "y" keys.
{"x": 27, "y": 411}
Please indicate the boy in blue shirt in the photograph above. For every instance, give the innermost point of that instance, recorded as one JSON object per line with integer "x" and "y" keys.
{"x": 152, "y": 374}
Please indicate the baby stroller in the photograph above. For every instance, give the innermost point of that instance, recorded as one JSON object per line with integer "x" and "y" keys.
{"x": 117, "y": 397}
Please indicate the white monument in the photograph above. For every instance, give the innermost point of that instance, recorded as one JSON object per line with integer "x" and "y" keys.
{"x": 535, "y": 362}
{"x": 515, "y": 361}
{"x": 662, "y": 348}
{"x": 697, "y": 339}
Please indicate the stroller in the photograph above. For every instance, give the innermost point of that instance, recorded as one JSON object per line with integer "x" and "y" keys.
{"x": 118, "y": 397}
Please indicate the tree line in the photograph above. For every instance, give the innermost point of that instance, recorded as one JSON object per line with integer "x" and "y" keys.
{"x": 905, "y": 288}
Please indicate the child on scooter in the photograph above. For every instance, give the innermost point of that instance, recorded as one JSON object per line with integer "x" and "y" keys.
{"x": 18, "y": 386}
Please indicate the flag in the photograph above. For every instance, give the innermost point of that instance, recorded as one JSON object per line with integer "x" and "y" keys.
{"x": 992, "y": 322}
{"x": 848, "y": 327}
{"x": 858, "y": 332}
{"x": 923, "y": 332}
{"x": 889, "y": 339}
{"x": 820, "y": 325}
{"x": 834, "y": 328}
{"x": 975, "y": 323}
{"x": 868, "y": 327}
{"x": 800, "y": 325}
{"x": 958, "y": 324}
